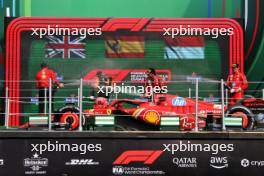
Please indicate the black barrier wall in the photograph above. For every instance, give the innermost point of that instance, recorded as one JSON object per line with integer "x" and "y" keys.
{"x": 80, "y": 155}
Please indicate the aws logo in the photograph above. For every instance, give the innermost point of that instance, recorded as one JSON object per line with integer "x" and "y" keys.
{"x": 219, "y": 162}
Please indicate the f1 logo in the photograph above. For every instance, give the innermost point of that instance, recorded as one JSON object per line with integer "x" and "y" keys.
{"x": 146, "y": 156}
{"x": 133, "y": 24}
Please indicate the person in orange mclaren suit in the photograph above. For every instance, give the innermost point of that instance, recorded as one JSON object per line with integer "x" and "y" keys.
{"x": 237, "y": 82}
{"x": 42, "y": 82}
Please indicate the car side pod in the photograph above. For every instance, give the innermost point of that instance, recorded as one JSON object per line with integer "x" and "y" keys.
{"x": 170, "y": 123}
{"x": 103, "y": 123}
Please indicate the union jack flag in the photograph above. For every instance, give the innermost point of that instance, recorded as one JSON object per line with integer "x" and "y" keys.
{"x": 65, "y": 47}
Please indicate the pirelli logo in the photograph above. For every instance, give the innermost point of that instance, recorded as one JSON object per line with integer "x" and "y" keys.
{"x": 146, "y": 156}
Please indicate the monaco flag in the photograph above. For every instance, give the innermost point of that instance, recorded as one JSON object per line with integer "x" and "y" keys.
{"x": 184, "y": 47}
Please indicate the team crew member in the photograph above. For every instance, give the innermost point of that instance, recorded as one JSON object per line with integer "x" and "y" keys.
{"x": 237, "y": 82}
{"x": 42, "y": 83}
{"x": 99, "y": 85}
{"x": 152, "y": 81}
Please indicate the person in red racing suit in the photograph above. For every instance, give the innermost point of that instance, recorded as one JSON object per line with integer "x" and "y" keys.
{"x": 153, "y": 83}
{"x": 42, "y": 83}
{"x": 237, "y": 82}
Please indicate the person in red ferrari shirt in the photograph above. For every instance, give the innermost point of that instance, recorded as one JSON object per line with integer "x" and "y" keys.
{"x": 237, "y": 82}
{"x": 42, "y": 82}
{"x": 153, "y": 81}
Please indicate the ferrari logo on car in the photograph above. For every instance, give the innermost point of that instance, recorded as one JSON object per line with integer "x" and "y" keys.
{"x": 108, "y": 111}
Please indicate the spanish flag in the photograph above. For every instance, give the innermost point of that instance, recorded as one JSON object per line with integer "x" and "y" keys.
{"x": 124, "y": 47}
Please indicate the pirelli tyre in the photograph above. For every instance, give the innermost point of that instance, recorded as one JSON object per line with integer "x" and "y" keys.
{"x": 69, "y": 115}
{"x": 245, "y": 113}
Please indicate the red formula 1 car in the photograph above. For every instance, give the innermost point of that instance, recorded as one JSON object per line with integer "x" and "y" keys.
{"x": 143, "y": 115}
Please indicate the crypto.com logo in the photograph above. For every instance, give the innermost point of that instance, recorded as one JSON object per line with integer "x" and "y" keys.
{"x": 145, "y": 156}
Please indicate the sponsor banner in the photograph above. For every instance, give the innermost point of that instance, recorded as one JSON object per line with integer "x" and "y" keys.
{"x": 125, "y": 75}
{"x": 103, "y": 156}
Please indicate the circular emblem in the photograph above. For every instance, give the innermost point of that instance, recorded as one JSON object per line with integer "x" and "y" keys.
{"x": 245, "y": 162}
{"x": 151, "y": 117}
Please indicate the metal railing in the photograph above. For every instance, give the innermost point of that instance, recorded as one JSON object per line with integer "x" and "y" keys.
{"x": 200, "y": 88}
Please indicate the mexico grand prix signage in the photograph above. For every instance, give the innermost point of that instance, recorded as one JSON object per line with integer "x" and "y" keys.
{"x": 128, "y": 75}
{"x": 94, "y": 26}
